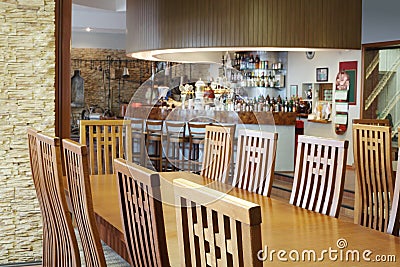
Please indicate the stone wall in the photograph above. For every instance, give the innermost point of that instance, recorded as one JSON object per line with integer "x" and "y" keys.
{"x": 27, "y": 94}
{"x": 95, "y": 65}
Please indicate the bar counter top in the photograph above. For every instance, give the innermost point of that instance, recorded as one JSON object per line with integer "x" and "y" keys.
{"x": 240, "y": 117}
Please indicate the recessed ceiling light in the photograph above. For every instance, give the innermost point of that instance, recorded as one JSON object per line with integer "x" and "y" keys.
{"x": 88, "y": 29}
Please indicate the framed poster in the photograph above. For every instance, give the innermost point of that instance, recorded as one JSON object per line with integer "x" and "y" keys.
{"x": 293, "y": 90}
{"x": 350, "y": 67}
{"x": 322, "y": 74}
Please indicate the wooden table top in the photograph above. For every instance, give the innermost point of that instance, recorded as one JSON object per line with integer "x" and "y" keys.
{"x": 284, "y": 226}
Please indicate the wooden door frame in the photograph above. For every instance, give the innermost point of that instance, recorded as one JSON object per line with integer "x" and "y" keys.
{"x": 63, "y": 21}
{"x": 378, "y": 46}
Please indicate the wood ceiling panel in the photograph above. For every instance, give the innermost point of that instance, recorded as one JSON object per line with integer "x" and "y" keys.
{"x": 158, "y": 24}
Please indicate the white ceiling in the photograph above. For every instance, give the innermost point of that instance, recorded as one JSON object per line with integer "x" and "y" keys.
{"x": 113, "y": 5}
{"x": 101, "y": 16}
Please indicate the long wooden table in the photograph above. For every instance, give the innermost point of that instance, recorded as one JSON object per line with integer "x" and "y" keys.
{"x": 286, "y": 228}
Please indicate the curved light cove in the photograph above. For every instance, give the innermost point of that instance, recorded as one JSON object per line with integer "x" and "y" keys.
{"x": 208, "y": 55}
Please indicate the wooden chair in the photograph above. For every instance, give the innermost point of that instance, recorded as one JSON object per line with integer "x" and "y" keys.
{"x": 319, "y": 174}
{"x": 374, "y": 187}
{"x": 234, "y": 145}
{"x": 379, "y": 122}
{"x": 217, "y": 153}
{"x": 176, "y": 145}
{"x": 41, "y": 195}
{"x": 255, "y": 161}
{"x": 394, "y": 218}
{"x": 106, "y": 141}
{"x": 77, "y": 171}
{"x": 142, "y": 214}
{"x": 197, "y": 132}
{"x": 215, "y": 229}
{"x": 58, "y": 232}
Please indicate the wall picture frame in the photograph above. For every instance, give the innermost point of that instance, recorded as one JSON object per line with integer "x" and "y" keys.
{"x": 350, "y": 67}
{"x": 293, "y": 90}
{"x": 322, "y": 74}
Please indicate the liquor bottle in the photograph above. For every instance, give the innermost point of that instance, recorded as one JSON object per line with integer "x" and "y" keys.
{"x": 262, "y": 80}
{"x": 235, "y": 61}
{"x": 257, "y": 62}
{"x": 284, "y": 106}
{"x": 249, "y": 79}
{"x": 251, "y": 62}
{"x": 257, "y": 81}
{"x": 279, "y": 99}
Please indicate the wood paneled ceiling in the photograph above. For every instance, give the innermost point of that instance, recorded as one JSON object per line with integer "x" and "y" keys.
{"x": 154, "y": 25}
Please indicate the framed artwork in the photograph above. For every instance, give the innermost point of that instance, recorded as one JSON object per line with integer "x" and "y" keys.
{"x": 322, "y": 74}
{"x": 293, "y": 90}
{"x": 350, "y": 67}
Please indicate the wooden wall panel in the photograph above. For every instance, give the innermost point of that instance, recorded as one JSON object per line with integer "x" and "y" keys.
{"x": 159, "y": 24}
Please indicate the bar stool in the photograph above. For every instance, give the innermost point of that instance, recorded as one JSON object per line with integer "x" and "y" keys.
{"x": 176, "y": 145}
{"x": 154, "y": 133}
{"x": 138, "y": 140}
{"x": 197, "y": 132}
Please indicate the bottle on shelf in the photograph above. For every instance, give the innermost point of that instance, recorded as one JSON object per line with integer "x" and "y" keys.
{"x": 257, "y": 62}
{"x": 250, "y": 64}
{"x": 262, "y": 80}
{"x": 243, "y": 62}
{"x": 235, "y": 61}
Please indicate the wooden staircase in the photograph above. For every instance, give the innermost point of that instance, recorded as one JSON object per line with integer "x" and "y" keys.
{"x": 382, "y": 84}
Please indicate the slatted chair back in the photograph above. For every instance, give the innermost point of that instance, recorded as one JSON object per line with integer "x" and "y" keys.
{"x": 234, "y": 144}
{"x": 375, "y": 183}
{"x": 59, "y": 231}
{"x": 394, "y": 218}
{"x": 142, "y": 214}
{"x": 106, "y": 141}
{"x": 39, "y": 188}
{"x": 215, "y": 229}
{"x": 319, "y": 174}
{"x": 33, "y": 156}
{"x": 34, "y": 161}
{"x": 374, "y": 187}
{"x": 77, "y": 172}
{"x": 218, "y": 146}
{"x": 379, "y": 122}
{"x": 255, "y": 161}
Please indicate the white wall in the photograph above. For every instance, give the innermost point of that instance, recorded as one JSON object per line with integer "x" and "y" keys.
{"x": 106, "y": 20}
{"x": 302, "y": 70}
{"x": 98, "y": 40}
{"x": 108, "y": 26}
{"x": 380, "y": 21}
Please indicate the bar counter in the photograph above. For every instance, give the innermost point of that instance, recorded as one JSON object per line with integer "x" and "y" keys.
{"x": 222, "y": 116}
{"x": 281, "y": 122}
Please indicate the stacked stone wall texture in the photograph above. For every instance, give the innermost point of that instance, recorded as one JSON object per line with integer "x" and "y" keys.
{"x": 27, "y": 98}
{"x": 95, "y": 64}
